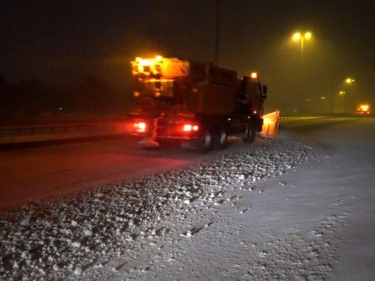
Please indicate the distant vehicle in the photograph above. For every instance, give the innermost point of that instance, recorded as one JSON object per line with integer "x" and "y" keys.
{"x": 363, "y": 109}
{"x": 196, "y": 104}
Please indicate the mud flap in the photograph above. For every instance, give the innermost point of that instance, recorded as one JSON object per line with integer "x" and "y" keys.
{"x": 147, "y": 142}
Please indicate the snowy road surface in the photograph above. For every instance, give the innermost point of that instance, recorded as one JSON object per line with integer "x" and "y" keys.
{"x": 287, "y": 209}
{"x": 46, "y": 172}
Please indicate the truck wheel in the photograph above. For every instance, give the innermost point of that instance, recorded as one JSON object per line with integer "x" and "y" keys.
{"x": 220, "y": 141}
{"x": 205, "y": 142}
{"x": 250, "y": 134}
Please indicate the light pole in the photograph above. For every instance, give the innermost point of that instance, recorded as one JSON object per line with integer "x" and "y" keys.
{"x": 301, "y": 37}
{"x": 348, "y": 81}
{"x": 217, "y": 35}
{"x": 343, "y": 93}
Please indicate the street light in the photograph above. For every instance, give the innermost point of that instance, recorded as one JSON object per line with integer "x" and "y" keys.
{"x": 348, "y": 81}
{"x": 301, "y": 37}
{"x": 217, "y": 32}
{"x": 343, "y": 94}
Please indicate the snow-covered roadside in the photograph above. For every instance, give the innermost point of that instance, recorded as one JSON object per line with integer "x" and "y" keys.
{"x": 130, "y": 229}
{"x": 270, "y": 212}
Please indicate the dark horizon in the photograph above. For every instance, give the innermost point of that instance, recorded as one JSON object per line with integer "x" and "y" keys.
{"x": 66, "y": 42}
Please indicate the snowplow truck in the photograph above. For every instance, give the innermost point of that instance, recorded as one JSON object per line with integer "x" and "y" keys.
{"x": 197, "y": 104}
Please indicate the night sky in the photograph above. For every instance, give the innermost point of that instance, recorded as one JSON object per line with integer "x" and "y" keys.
{"x": 64, "y": 41}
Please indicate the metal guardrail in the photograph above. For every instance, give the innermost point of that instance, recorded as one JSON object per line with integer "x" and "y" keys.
{"x": 55, "y": 130}
{"x": 48, "y": 128}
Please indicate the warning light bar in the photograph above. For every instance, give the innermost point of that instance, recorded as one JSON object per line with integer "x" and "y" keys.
{"x": 159, "y": 67}
{"x": 254, "y": 75}
{"x": 147, "y": 66}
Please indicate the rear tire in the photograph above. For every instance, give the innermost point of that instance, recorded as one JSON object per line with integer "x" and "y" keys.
{"x": 250, "y": 133}
{"x": 205, "y": 142}
{"x": 220, "y": 141}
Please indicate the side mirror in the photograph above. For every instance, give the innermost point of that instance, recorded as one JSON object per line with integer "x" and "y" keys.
{"x": 264, "y": 91}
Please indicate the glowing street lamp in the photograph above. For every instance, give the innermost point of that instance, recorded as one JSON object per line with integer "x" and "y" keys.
{"x": 301, "y": 37}
{"x": 349, "y": 80}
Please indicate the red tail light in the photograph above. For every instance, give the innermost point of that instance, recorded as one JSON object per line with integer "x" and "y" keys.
{"x": 190, "y": 128}
{"x": 140, "y": 127}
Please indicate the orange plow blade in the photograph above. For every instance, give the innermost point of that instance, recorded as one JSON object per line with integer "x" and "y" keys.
{"x": 271, "y": 122}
